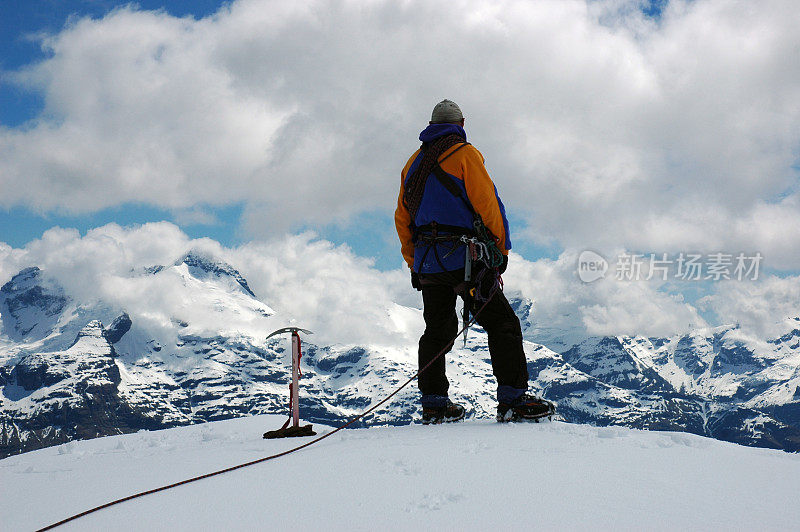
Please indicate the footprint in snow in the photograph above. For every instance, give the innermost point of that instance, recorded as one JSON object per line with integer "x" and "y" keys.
{"x": 429, "y": 503}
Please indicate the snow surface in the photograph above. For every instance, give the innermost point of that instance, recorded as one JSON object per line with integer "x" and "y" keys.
{"x": 475, "y": 475}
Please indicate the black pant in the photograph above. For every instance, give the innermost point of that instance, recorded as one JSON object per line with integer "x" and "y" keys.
{"x": 439, "y": 291}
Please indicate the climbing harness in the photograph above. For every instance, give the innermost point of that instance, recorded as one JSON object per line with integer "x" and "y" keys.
{"x": 274, "y": 456}
{"x": 482, "y": 255}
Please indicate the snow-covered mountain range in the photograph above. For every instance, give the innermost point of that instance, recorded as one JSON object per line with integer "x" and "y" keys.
{"x": 75, "y": 369}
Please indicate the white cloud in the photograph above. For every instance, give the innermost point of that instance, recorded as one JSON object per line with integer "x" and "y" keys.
{"x": 309, "y": 282}
{"x": 83, "y": 264}
{"x": 10, "y": 262}
{"x": 195, "y": 216}
{"x": 342, "y": 298}
{"x": 601, "y": 127}
{"x": 759, "y": 308}
{"x": 562, "y": 302}
{"x": 330, "y": 290}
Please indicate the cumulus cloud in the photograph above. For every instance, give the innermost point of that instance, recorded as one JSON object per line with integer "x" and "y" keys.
{"x": 317, "y": 285}
{"x": 307, "y": 281}
{"x": 10, "y": 262}
{"x": 602, "y": 127}
{"x": 566, "y": 309}
{"x": 760, "y": 308}
{"x": 331, "y": 290}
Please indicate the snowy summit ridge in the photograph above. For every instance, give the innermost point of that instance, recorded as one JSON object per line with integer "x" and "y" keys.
{"x": 202, "y": 266}
{"x": 409, "y": 478}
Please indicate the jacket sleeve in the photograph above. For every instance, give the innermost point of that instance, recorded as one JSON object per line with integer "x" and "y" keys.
{"x": 483, "y": 196}
{"x": 402, "y": 222}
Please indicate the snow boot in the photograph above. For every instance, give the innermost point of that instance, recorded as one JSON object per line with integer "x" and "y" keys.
{"x": 525, "y": 408}
{"x": 442, "y": 414}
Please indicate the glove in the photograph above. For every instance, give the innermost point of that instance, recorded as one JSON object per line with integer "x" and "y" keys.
{"x": 502, "y": 268}
{"x": 415, "y": 281}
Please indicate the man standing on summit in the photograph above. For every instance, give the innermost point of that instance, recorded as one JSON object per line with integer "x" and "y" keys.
{"x": 454, "y": 236}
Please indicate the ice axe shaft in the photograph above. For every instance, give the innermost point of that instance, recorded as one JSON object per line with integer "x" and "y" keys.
{"x": 294, "y": 400}
{"x": 469, "y": 255}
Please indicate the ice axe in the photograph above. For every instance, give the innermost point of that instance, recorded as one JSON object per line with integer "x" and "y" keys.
{"x": 294, "y": 405}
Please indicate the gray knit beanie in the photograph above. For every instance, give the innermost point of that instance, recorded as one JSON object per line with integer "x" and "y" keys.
{"x": 446, "y": 112}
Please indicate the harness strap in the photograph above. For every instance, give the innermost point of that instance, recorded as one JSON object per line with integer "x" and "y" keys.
{"x": 448, "y": 183}
{"x": 429, "y": 233}
{"x": 432, "y": 231}
{"x": 452, "y": 152}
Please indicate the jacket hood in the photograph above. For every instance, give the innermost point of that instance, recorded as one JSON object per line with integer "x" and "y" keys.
{"x": 434, "y": 131}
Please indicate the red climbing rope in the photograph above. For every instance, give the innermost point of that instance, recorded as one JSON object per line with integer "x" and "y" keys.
{"x": 284, "y": 453}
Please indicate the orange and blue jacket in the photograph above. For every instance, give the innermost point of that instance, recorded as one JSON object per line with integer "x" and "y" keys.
{"x": 465, "y": 165}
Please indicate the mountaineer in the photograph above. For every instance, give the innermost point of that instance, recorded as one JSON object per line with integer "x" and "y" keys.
{"x": 454, "y": 236}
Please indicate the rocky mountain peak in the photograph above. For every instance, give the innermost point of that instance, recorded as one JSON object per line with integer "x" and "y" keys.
{"x": 118, "y": 328}
{"x": 29, "y": 306}
{"x": 21, "y": 280}
{"x": 202, "y": 265}
{"x": 92, "y": 334}
{"x": 91, "y": 358}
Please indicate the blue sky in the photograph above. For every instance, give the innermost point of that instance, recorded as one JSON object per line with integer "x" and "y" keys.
{"x": 607, "y": 125}
{"x": 22, "y": 20}
{"x": 557, "y": 198}
{"x": 22, "y": 24}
